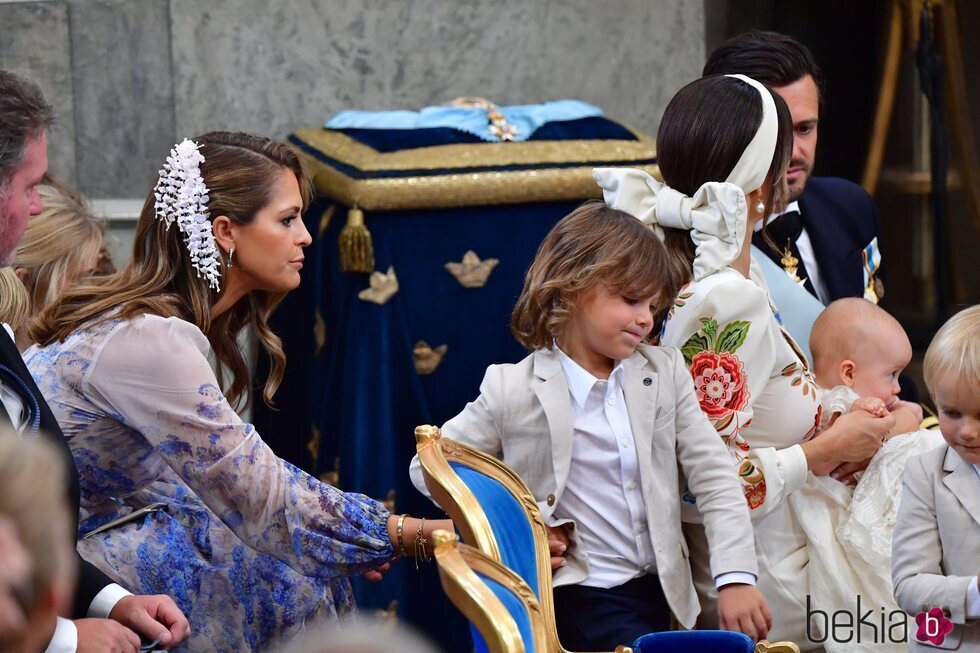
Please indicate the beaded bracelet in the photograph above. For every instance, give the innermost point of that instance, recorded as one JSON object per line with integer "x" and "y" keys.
{"x": 398, "y": 531}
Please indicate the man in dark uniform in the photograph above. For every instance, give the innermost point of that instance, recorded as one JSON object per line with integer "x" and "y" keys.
{"x": 827, "y": 239}
{"x": 106, "y": 617}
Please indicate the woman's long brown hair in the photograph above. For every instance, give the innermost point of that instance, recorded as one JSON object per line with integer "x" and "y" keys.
{"x": 240, "y": 171}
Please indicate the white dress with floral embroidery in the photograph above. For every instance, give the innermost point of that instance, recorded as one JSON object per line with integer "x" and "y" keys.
{"x": 755, "y": 385}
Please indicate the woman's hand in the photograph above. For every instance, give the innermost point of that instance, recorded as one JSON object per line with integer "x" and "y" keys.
{"x": 559, "y": 541}
{"x": 854, "y": 437}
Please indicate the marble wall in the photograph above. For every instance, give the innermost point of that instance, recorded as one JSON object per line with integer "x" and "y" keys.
{"x": 129, "y": 77}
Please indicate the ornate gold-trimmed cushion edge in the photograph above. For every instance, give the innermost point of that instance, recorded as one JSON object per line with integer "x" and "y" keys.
{"x": 348, "y": 151}
{"x": 456, "y": 190}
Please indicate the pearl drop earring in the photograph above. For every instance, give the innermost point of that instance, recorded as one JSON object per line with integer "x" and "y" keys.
{"x": 760, "y": 207}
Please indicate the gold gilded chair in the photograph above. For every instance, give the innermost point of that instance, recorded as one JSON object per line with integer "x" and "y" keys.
{"x": 495, "y": 513}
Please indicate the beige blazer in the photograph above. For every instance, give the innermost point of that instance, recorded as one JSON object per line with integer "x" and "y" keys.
{"x": 936, "y": 544}
{"x": 524, "y": 417}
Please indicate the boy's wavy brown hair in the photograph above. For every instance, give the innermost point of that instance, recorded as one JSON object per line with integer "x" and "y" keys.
{"x": 593, "y": 245}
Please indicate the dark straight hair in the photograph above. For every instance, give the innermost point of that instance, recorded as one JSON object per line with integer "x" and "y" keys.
{"x": 702, "y": 135}
{"x": 770, "y": 57}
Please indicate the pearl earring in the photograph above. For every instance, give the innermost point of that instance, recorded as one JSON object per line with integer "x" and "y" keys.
{"x": 231, "y": 255}
{"x": 760, "y": 207}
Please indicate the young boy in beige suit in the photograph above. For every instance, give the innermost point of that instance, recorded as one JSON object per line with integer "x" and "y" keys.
{"x": 604, "y": 429}
{"x": 936, "y": 544}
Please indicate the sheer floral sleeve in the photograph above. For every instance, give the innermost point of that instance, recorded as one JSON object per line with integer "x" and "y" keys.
{"x": 751, "y": 383}
{"x": 153, "y": 374}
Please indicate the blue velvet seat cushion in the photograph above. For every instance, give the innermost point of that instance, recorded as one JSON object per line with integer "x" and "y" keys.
{"x": 683, "y": 641}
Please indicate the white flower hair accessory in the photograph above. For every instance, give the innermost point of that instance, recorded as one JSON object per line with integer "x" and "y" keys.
{"x": 181, "y": 196}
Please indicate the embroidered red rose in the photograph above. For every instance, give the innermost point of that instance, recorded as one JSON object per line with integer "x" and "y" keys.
{"x": 755, "y": 494}
{"x": 719, "y": 381}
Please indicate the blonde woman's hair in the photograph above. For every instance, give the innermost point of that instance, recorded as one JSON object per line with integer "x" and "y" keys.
{"x": 241, "y": 172}
{"x": 33, "y": 497}
{"x": 955, "y": 350}
{"x": 593, "y": 245}
{"x": 56, "y": 242}
{"x": 15, "y": 303}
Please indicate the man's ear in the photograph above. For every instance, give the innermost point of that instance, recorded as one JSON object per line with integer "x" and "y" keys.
{"x": 224, "y": 232}
{"x": 846, "y": 371}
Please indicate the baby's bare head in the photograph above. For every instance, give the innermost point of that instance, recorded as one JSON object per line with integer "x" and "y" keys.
{"x": 855, "y": 342}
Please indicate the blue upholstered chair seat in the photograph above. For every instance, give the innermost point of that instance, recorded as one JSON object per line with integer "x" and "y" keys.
{"x": 683, "y": 641}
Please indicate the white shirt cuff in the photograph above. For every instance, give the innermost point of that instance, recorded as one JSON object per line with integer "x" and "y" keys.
{"x": 973, "y": 600}
{"x": 106, "y": 600}
{"x": 792, "y": 464}
{"x": 65, "y": 638}
{"x": 742, "y": 577}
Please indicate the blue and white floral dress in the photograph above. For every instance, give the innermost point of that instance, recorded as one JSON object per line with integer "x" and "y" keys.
{"x": 249, "y": 546}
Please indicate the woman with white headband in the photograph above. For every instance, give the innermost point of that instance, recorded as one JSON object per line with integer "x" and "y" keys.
{"x": 179, "y": 495}
{"x": 723, "y": 147}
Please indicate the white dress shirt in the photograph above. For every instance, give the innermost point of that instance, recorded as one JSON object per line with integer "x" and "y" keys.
{"x": 973, "y": 591}
{"x": 65, "y": 639}
{"x": 603, "y": 494}
{"x": 805, "y": 248}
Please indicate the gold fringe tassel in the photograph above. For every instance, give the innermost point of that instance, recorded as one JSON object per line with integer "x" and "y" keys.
{"x": 356, "y": 246}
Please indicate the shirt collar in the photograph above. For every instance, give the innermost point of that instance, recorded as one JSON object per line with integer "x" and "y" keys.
{"x": 580, "y": 381}
{"x": 792, "y": 206}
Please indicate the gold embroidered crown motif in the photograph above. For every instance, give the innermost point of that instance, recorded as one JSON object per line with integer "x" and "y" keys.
{"x": 383, "y": 287}
{"x": 471, "y": 272}
{"x": 427, "y": 359}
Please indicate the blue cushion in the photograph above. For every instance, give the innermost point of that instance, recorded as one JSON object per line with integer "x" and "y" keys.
{"x": 516, "y": 609}
{"x": 682, "y": 641}
{"x": 511, "y": 528}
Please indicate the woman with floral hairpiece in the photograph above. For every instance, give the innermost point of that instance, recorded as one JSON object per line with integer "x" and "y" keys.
{"x": 179, "y": 495}
{"x": 723, "y": 147}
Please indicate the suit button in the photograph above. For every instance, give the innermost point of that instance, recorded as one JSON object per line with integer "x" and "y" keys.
{"x": 551, "y": 499}
{"x": 648, "y": 381}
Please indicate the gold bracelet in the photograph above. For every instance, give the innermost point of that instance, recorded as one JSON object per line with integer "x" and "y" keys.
{"x": 420, "y": 544}
{"x": 398, "y": 531}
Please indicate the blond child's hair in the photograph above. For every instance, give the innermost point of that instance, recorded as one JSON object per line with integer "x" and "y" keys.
{"x": 33, "y": 497}
{"x": 955, "y": 350}
{"x": 15, "y": 303}
{"x": 57, "y": 240}
{"x": 593, "y": 245}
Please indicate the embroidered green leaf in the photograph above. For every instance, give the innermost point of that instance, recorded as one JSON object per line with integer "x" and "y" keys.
{"x": 789, "y": 369}
{"x": 795, "y": 382}
{"x": 723, "y": 423}
{"x": 746, "y": 469}
{"x": 732, "y": 336}
{"x": 710, "y": 328}
{"x": 695, "y": 344}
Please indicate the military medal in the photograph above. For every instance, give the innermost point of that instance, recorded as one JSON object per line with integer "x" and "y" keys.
{"x": 874, "y": 288}
{"x": 790, "y": 263}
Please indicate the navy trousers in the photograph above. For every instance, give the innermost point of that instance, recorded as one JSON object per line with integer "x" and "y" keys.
{"x": 598, "y": 619}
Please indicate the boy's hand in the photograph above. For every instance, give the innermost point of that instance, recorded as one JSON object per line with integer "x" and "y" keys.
{"x": 872, "y": 405}
{"x": 559, "y": 541}
{"x": 742, "y": 608}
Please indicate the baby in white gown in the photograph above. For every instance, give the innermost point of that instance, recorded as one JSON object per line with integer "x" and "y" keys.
{"x": 859, "y": 350}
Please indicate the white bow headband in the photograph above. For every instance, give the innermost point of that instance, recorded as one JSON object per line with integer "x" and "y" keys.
{"x": 717, "y": 214}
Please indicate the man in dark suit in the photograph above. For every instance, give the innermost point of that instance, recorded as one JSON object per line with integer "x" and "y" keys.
{"x": 106, "y": 617}
{"x": 831, "y": 226}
